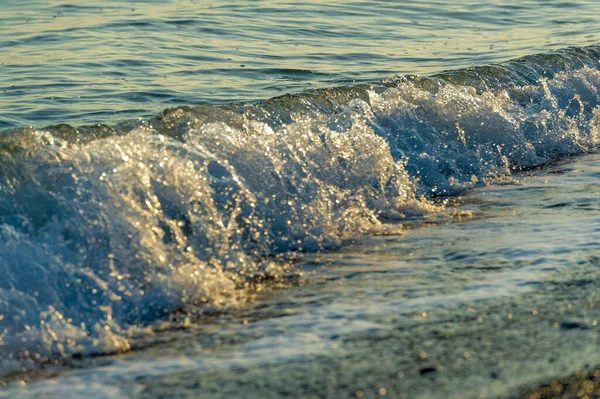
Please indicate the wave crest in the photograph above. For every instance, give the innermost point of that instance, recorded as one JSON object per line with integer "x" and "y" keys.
{"x": 109, "y": 232}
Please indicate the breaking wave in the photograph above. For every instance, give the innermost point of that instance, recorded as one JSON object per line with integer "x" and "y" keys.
{"x": 111, "y": 233}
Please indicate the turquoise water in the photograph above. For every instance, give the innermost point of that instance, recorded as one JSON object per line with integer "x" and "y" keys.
{"x": 266, "y": 199}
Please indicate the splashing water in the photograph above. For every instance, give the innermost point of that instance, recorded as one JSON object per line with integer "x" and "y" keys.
{"x": 110, "y": 231}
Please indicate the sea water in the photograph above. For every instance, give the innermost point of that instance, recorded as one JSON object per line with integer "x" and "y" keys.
{"x": 265, "y": 199}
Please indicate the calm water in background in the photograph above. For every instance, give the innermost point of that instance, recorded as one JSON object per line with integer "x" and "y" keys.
{"x": 370, "y": 234}
{"x": 106, "y": 61}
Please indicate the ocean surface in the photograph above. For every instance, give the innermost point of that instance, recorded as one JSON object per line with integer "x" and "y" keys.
{"x": 271, "y": 199}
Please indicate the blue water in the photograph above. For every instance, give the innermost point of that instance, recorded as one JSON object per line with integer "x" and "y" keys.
{"x": 265, "y": 199}
{"x": 106, "y": 61}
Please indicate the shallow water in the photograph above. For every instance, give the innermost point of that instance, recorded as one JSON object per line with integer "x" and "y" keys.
{"x": 369, "y": 233}
{"x": 499, "y": 294}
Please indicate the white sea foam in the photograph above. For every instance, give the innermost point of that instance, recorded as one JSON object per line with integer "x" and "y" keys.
{"x": 106, "y": 236}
